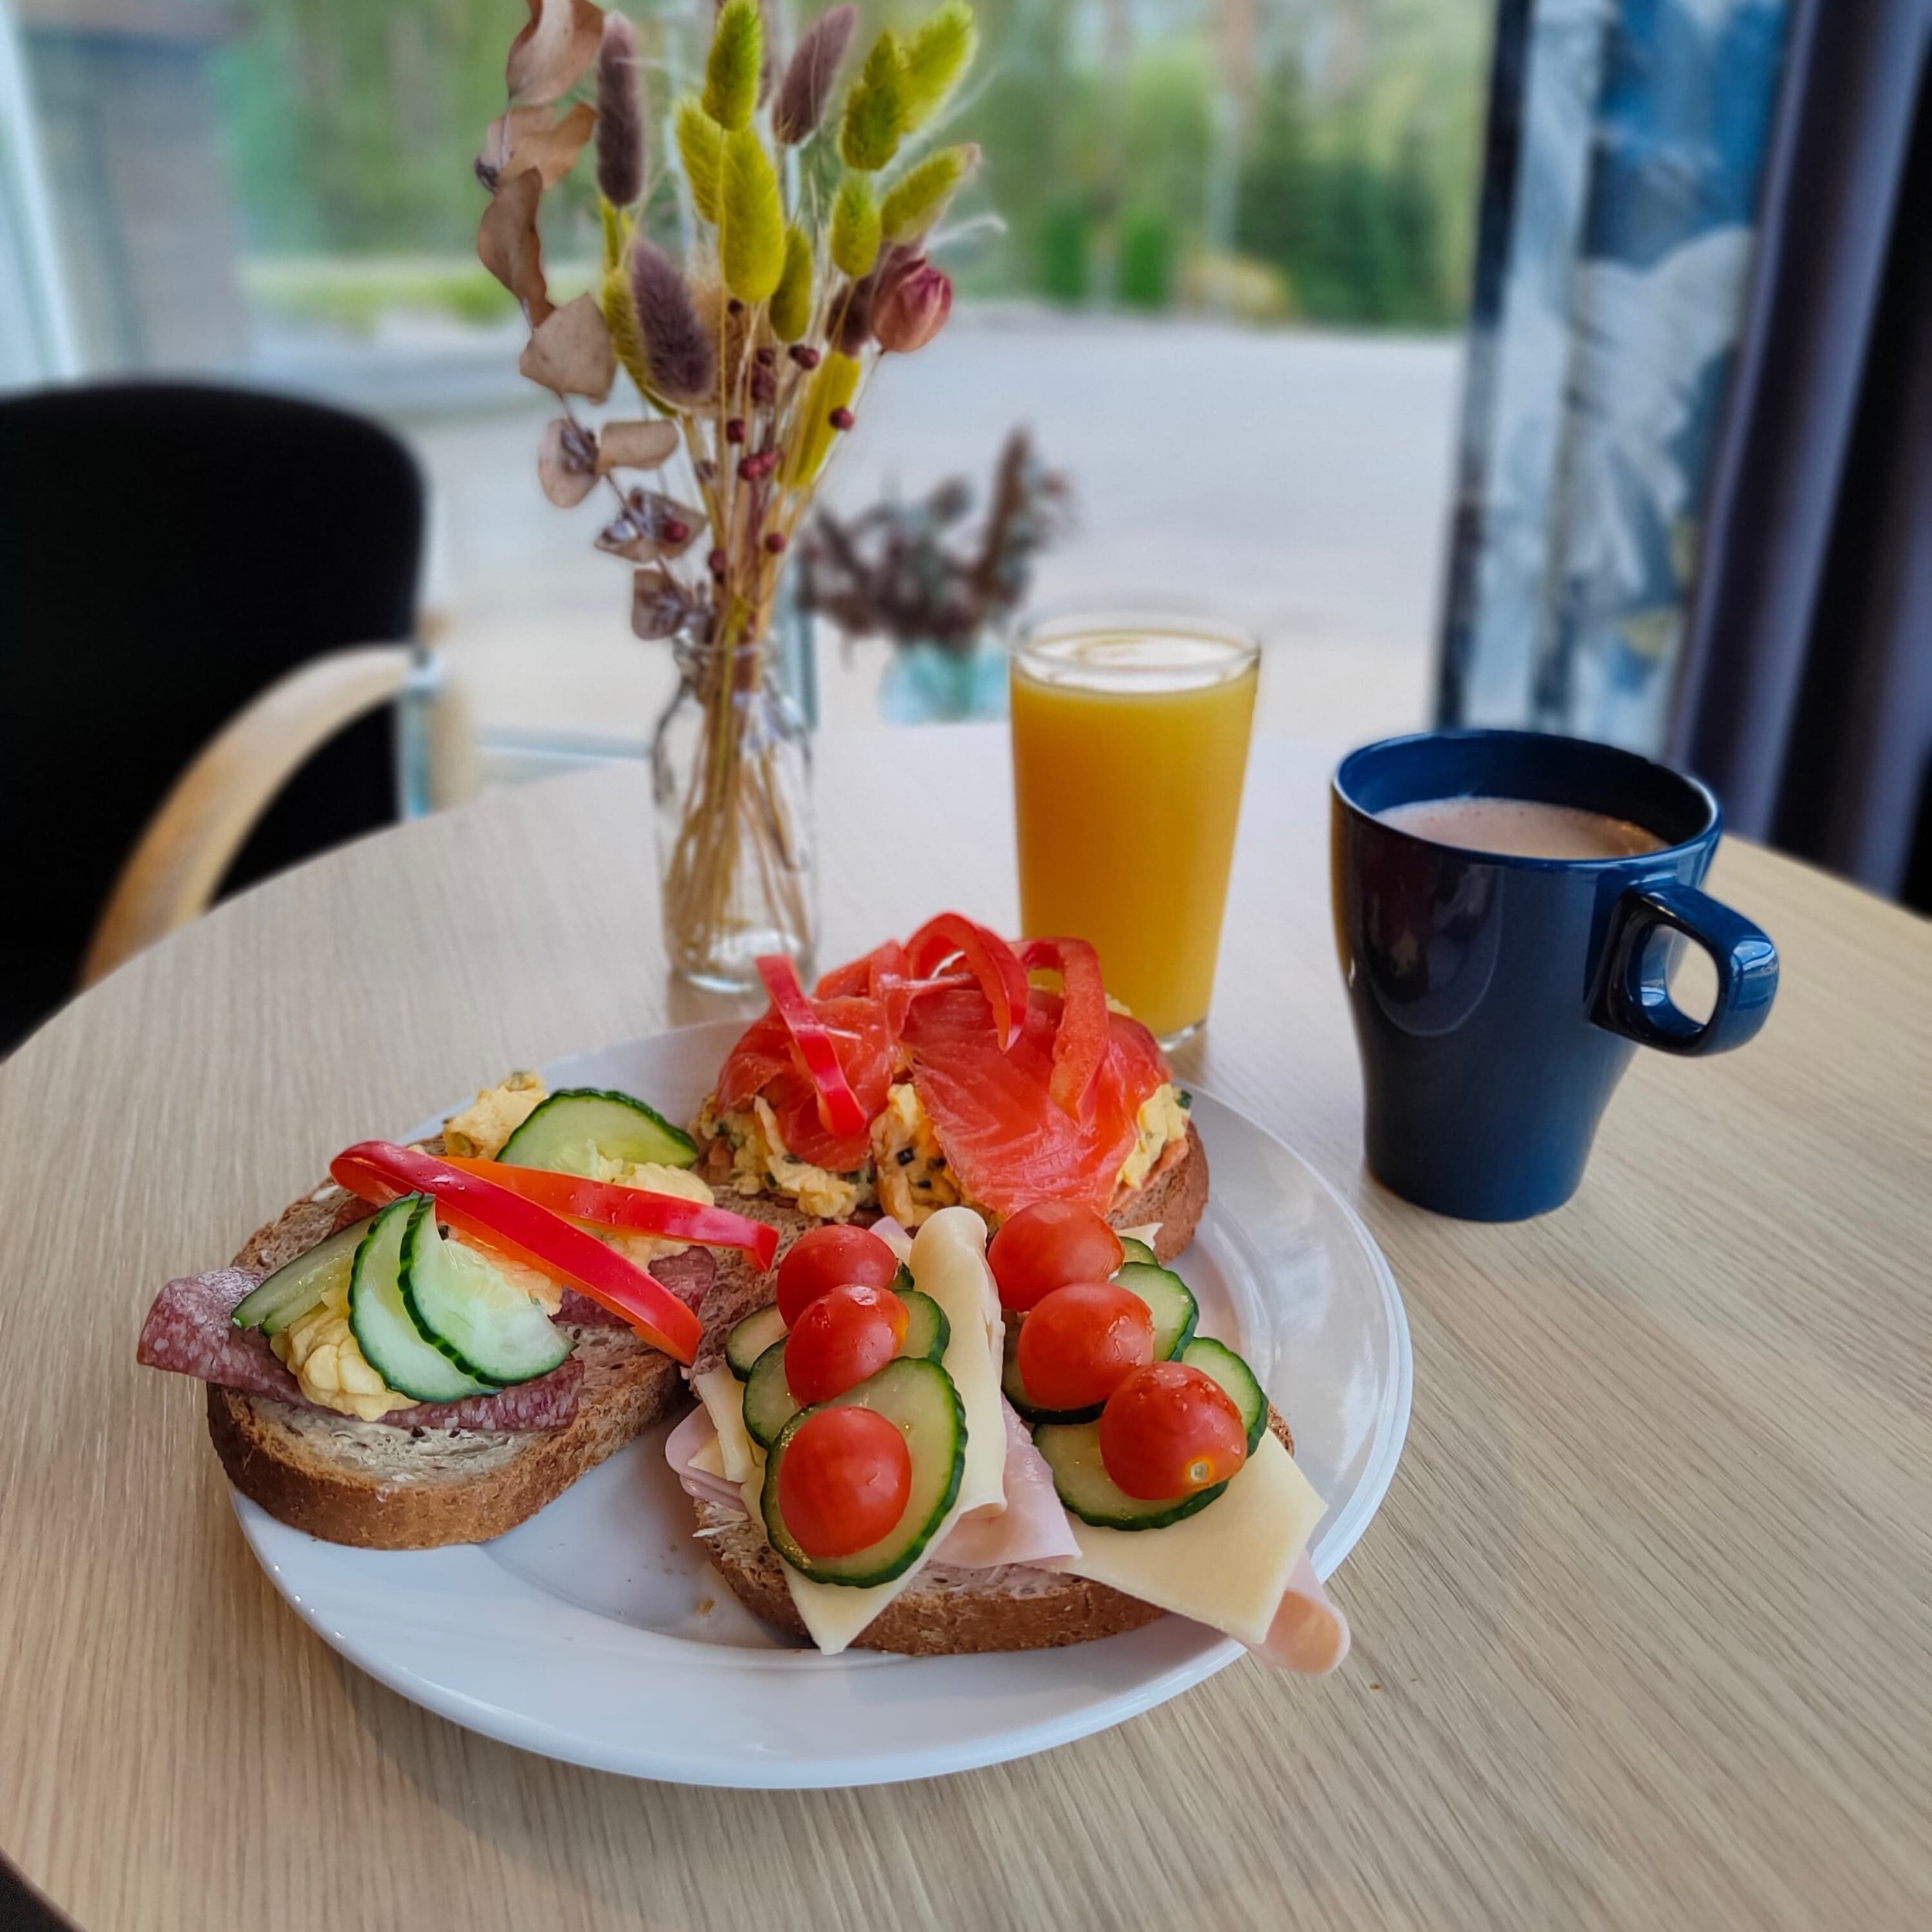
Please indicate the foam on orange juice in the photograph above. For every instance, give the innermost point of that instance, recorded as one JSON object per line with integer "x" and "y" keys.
{"x": 1130, "y": 745}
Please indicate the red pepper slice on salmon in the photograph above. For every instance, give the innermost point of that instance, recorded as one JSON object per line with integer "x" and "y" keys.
{"x": 993, "y": 963}
{"x": 1080, "y": 1042}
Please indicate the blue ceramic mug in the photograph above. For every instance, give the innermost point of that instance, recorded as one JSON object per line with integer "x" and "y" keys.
{"x": 1497, "y": 999}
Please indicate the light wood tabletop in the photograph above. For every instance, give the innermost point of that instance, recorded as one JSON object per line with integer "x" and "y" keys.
{"x": 1641, "y": 1630}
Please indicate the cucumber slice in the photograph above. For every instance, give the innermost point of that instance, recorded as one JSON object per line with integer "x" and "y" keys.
{"x": 1072, "y": 1452}
{"x": 769, "y": 1402}
{"x": 751, "y": 1338}
{"x": 1139, "y": 1251}
{"x": 928, "y": 1332}
{"x": 919, "y": 1398}
{"x": 1013, "y": 1387}
{"x": 383, "y": 1331}
{"x": 1171, "y": 1299}
{"x": 565, "y": 1131}
{"x": 1217, "y": 1359}
{"x": 301, "y": 1284}
{"x": 482, "y": 1321}
{"x": 902, "y": 1282}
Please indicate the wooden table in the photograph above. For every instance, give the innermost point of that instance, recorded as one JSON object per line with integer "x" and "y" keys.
{"x": 1642, "y": 1632}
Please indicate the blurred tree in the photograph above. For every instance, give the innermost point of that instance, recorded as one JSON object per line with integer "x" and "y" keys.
{"x": 1146, "y": 275}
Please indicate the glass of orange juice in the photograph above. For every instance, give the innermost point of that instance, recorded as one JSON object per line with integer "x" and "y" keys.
{"x": 1130, "y": 744}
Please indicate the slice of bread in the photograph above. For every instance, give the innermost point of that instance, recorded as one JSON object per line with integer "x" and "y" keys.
{"x": 947, "y": 1611}
{"x": 381, "y": 1487}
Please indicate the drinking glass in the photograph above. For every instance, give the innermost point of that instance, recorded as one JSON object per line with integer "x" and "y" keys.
{"x": 1130, "y": 744}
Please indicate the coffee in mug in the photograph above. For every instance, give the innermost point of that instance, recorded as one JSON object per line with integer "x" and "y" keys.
{"x": 1523, "y": 828}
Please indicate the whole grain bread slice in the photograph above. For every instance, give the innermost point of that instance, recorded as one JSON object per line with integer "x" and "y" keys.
{"x": 381, "y": 1487}
{"x": 948, "y": 1611}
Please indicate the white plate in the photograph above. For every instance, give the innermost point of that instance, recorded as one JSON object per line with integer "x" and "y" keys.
{"x": 596, "y": 1632}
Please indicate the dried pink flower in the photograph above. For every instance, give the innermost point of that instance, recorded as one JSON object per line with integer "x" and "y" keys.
{"x": 912, "y": 306}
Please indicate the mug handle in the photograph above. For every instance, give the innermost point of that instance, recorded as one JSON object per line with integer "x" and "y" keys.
{"x": 1631, "y": 997}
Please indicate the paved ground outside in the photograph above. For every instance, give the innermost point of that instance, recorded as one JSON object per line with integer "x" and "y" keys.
{"x": 1297, "y": 481}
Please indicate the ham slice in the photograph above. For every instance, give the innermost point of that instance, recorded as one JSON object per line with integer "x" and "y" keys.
{"x": 1308, "y": 1634}
{"x": 1032, "y": 1528}
{"x": 684, "y": 1442}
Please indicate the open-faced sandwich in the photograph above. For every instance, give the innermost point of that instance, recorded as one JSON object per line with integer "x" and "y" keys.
{"x": 955, "y": 1069}
{"x": 430, "y": 1348}
{"x": 923, "y": 1444}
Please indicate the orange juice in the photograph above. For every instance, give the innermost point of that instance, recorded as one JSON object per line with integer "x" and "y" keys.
{"x": 1130, "y": 744}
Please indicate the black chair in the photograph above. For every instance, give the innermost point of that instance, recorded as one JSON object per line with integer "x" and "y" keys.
{"x": 168, "y": 553}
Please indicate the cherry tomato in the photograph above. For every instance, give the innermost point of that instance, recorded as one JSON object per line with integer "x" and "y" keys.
{"x": 845, "y": 1335}
{"x": 1169, "y": 1430}
{"x": 1081, "y": 1343}
{"x": 1048, "y": 1245}
{"x": 844, "y": 1482}
{"x": 829, "y": 1257}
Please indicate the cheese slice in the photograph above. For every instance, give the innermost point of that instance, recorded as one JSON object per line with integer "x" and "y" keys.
{"x": 710, "y": 1458}
{"x": 1227, "y": 1566}
{"x": 948, "y": 1262}
{"x": 724, "y": 1396}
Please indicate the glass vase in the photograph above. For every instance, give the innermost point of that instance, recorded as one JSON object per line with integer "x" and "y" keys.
{"x": 731, "y": 770}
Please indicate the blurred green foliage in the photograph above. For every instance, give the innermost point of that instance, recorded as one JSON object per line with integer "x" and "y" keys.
{"x": 1135, "y": 155}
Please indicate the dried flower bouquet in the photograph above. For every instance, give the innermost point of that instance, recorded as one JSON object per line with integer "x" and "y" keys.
{"x": 750, "y": 359}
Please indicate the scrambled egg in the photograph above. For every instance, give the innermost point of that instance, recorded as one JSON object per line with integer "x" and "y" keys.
{"x": 480, "y": 1129}
{"x": 914, "y": 1181}
{"x": 759, "y": 1159}
{"x": 320, "y": 1352}
{"x": 657, "y": 1179}
{"x": 1163, "y": 1121}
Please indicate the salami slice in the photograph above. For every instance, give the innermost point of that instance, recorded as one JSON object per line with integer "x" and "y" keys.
{"x": 686, "y": 1275}
{"x": 189, "y": 1330}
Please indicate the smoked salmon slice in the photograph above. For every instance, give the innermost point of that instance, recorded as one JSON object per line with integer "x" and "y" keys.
{"x": 1007, "y": 1143}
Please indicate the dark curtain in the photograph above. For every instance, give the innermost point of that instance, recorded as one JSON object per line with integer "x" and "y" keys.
{"x": 1806, "y": 694}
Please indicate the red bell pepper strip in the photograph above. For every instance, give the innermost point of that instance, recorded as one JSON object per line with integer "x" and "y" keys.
{"x": 838, "y": 1106}
{"x": 379, "y": 1171}
{"x": 639, "y": 1209}
{"x": 988, "y": 958}
{"x": 1080, "y": 1044}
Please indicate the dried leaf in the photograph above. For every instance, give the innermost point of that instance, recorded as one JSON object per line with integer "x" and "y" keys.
{"x": 549, "y": 56}
{"x": 570, "y": 352}
{"x": 660, "y": 606}
{"x": 651, "y": 528}
{"x": 566, "y": 462}
{"x": 637, "y": 446}
{"x": 508, "y": 245}
{"x": 534, "y": 138}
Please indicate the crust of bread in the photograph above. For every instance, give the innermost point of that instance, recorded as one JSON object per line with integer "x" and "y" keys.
{"x": 382, "y": 1487}
{"x": 944, "y": 1612}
